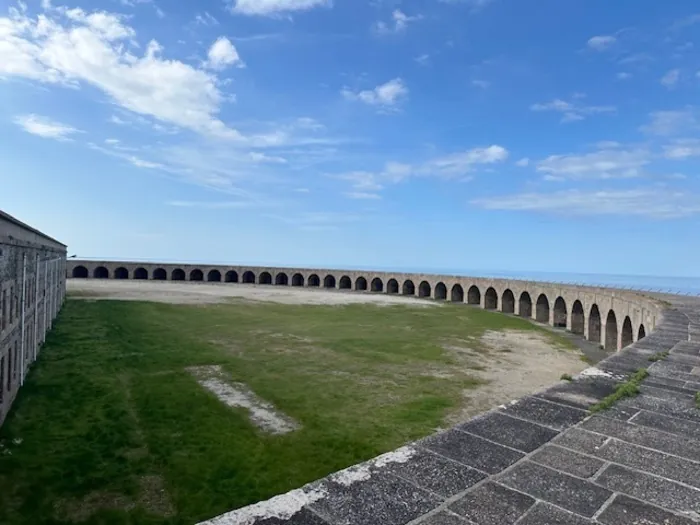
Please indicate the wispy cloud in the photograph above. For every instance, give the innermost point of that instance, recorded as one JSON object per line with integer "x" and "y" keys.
{"x": 572, "y": 111}
{"x": 682, "y": 149}
{"x": 45, "y": 127}
{"x": 398, "y": 24}
{"x": 673, "y": 122}
{"x": 209, "y": 205}
{"x": 671, "y": 78}
{"x": 609, "y": 163}
{"x": 275, "y": 7}
{"x": 363, "y": 195}
{"x": 601, "y": 42}
{"x": 387, "y": 96}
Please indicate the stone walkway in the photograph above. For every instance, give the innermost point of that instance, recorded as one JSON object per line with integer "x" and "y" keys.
{"x": 542, "y": 460}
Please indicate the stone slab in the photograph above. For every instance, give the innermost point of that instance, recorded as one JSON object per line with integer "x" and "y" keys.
{"x": 303, "y": 517}
{"x": 509, "y": 431}
{"x": 581, "y": 393}
{"x": 628, "y": 511}
{"x": 573, "y": 494}
{"x": 663, "y": 393}
{"x": 553, "y": 415}
{"x": 680, "y": 386}
{"x": 445, "y": 518}
{"x": 544, "y": 514}
{"x": 492, "y": 504}
{"x": 581, "y": 440}
{"x": 620, "y": 413}
{"x": 681, "y": 408}
{"x": 567, "y": 461}
{"x": 673, "y": 425}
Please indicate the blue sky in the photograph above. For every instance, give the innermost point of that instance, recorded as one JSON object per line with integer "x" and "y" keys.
{"x": 517, "y": 135}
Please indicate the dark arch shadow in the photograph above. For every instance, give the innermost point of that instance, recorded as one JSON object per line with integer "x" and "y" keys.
{"x": 248, "y": 277}
{"x": 392, "y": 286}
{"x": 159, "y": 274}
{"x": 377, "y": 285}
{"x": 642, "y": 333}
{"x": 408, "y": 288}
{"x": 525, "y": 303}
{"x": 542, "y": 309}
{"x": 560, "y": 313}
{"x": 345, "y": 283}
{"x": 627, "y": 332}
{"x": 80, "y": 272}
{"x": 473, "y": 295}
{"x": 121, "y": 273}
{"x": 361, "y": 284}
{"x": 508, "y": 302}
{"x": 329, "y": 281}
{"x": 196, "y": 275}
{"x": 214, "y": 276}
{"x": 178, "y": 275}
{"x": 281, "y": 279}
{"x": 141, "y": 274}
{"x": 594, "y": 325}
{"x": 457, "y": 294}
{"x": 440, "y": 291}
{"x": 611, "y": 332}
{"x": 297, "y": 279}
{"x": 491, "y": 299}
{"x": 232, "y": 276}
{"x": 265, "y": 278}
{"x": 578, "y": 318}
{"x": 424, "y": 289}
{"x": 314, "y": 281}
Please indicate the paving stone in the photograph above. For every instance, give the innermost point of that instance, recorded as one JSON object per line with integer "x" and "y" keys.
{"x": 567, "y": 461}
{"x": 303, "y": 517}
{"x": 492, "y": 504}
{"x": 681, "y": 388}
{"x": 679, "y": 408}
{"x": 693, "y": 386}
{"x": 544, "y": 514}
{"x": 546, "y": 413}
{"x": 382, "y": 498}
{"x": 661, "y": 393}
{"x": 628, "y": 511}
{"x": 445, "y": 518}
{"x": 620, "y": 413}
{"x": 472, "y": 451}
{"x": 652, "y": 489}
{"x": 581, "y": 440}
{"x": 684, "y": 359}
{"x": 509, "y": 431}
{"x": 644, "y": 436}
{"x": 673, "y": 425}
{"x": 581, "y": 393}
{"x": 574, "y": 494}
{"x": 435, "y": 473}
{"x": 687, "y": 348}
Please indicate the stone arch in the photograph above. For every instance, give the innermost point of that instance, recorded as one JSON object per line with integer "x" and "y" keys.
{"x": 281, "y": 279}
{"x": 392, "y": 286}
{"x": 214, "y": 276}
{"x": 578, "y": 320}
{"x": 80, "y": 272}
{"x": 508, "y": 302}
{"x": 178, "y": 274}
{"x": 594, "y": 325}
{"x": 249, "y": 277}
{"x": 297, "y": 279}
{"x": 440, "y": 291}
{"x": 345, "y": 283}
{"x": 525, "y": 303}
{"x": 196, "y": 275}
{"x": 329, "y": 281}
{"x": 159, "y": 274}
{"x": 542, "y": 309}
{"x": 424, "y": 289}
{"x": 265, "y": 278}
{"x": 314, "y": 281}
{"x": 560, "y": 313}
{"x": 361, "y": 284}
{"x": 457, "y": 294}
{"x": 627, "y": 333}
{"x": 231, "y": 276}
{"x": 491, "y": 299}
{"x": 121, "y": 273}
{"x": 611, "y": 331}
{"x": 408, "y": 288}
{"x": 141, "y": 274}
{"x": 377, "y": 285}
{"x": 642, "y": 333}
{"x": 473, "y": 295}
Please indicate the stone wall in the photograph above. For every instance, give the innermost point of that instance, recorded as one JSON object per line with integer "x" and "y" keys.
{"x": 32, "y": 289}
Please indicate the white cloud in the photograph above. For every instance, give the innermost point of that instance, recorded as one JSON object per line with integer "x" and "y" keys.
{"x": 601, "y": 164}
{"x": 655, "y": 203}
{"x": 222, "y": 54}
{"x": 601, "y": 42}
{"x": 483, "y": 84}
{"x": 424, "y": 59}
{"x": 399, "y": 22}
{"x": 623, "y": 75}
{"x": 275, "y": 7}
{"x": 205, "y": 20}
{"x": 671, "y": 78}
{"x": 386, "y": 95}
{"x": 572, "y": 112}
{"x": 675, "y": 122}
{"x": 45, "y": 127}
{"x": 209, "y": 205}
{"x": 474, "y": 4}
{"x": 363, "y": 195}
{"x": 682, "y": 149}
{"x": 523, "y": 163}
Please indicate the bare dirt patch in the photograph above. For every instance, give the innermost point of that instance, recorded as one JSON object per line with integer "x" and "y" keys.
{"x": 213, "y": 293}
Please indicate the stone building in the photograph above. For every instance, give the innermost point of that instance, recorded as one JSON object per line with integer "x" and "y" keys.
{"x": 32, "y": 289}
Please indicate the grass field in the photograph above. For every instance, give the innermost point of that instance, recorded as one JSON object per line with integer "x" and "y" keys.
{"x": 111, "y": 429}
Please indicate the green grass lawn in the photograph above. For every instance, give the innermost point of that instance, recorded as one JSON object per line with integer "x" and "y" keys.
{"x": 111, "y": 429}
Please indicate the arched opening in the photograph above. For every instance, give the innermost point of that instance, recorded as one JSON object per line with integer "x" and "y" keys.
{"x": 80, "y": 272}
{"x": 560, "y": 314}
{"x": 345, "y": 283}
{"x": 525, "y": 305}
{"x": 281, "y": 279}
{"x": 392, "y": 286}
{"x": 440, "y": 291}
{"x": 141, "y": 274}
{"x": 642, "y": 332}
{"x": 214, "y": 276}
{"x": 594, "y": 325}
{"x": 508, "y": 302}
{"x": 265, "y": 278}
{"x": 231, "y": 276}
{"x": 121, "y": 273}
{"x": 361, "y": 284}
{"x": 627, "y": 333}
{"x": 178, "y": 275}
{"x": 377, "y": 285}
{"x": 249, "y": 277}
{"x": 408, "y": 288}
{"x": 196, "y": 275}
{"x": 297, "y": 279}
{"x": 577, "y": 318}
{"x": 329, "y": 281}
{"x": 542, "y": 309}
{"x": 491, "y": 299}
{"x": 473, "y": 295}
{"x": 457, "y": 294}
{"x": 424, "y": 289}
{"x": 611, "y": 332}
{"x": 159, "y": 274}
{"x": 314, "y": 281}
